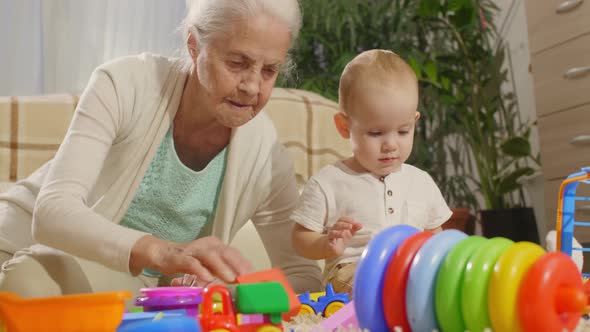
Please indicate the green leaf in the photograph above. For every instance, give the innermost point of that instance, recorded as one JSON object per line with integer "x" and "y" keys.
{"x": 465, "y": 17}
{"x": 510, "y": 182}
{"x": 429, "y": 8}
{"x": 446, "y": 83}
{"x": 460, "y": 96}
{"x": 436, "y": 84}
{"x": 455, "y": 5}
{"x": 516, "y": 147}
{"x": 447, "y": 99}
{"x": 431, "y": 72}
{"x": 415, "y": 67}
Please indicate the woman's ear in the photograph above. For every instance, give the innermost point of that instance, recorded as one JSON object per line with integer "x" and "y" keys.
{"x": 191, "y": 44}
{"x": 417, "y": 116}
{"x": 341, "y": 121}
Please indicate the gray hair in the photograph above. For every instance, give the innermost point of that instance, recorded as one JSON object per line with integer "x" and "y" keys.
{"x": 206, "y": 18}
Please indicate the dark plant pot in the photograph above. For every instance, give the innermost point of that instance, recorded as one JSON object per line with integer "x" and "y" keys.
{"x": 516, "y": 224}
{"x": 462, "y": 220}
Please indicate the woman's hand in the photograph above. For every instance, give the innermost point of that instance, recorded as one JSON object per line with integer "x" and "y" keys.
{"x": 206, "y": 258}
{"x": 340, "y": 235}
{"x": 191, "y": 280}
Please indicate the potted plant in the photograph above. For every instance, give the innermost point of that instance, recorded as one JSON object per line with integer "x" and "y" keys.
{"x": 470, "y": 137}
{"x": 434, "y": 150}
{"x": 334, "y": 31}
{"x": 492, "y": 143}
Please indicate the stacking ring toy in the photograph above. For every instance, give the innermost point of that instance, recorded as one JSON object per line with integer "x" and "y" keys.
{"x": 422, "y": 277}
{"x": 555, "y": 284}
{"x": 474, "y": 295}
{"x": 396, "y": 279}
{"x": 505, "y": 282}
{"x": 447, "y": 299}
{"x": 409, "y": 280}
{"x": 368, "y": 281}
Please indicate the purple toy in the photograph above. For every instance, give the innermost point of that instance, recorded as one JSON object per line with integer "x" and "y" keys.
{"x": 345, "y": 317}
{"x": 170, "y": 298}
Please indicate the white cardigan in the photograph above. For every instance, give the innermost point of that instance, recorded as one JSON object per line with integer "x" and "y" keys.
{"x": 81, "y": 195}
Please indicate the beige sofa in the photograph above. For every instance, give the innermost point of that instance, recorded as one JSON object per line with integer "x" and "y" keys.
{"x": 31, "y": 129}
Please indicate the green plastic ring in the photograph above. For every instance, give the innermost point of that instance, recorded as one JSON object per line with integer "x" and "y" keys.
{"x": 447, "y": 299}
{"x": 474, "y": 293}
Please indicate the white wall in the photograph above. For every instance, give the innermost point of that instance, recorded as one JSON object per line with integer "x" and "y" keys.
{"x": 512, "y": 26}
{"x": 52, "y": 46}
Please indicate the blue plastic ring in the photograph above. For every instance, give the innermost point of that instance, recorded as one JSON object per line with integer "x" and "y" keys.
{"x": 422, "y": 279}
{"x": 370, "y": 273}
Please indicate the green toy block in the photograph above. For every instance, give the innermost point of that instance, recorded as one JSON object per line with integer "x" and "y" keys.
{"x": 262, "y": 298}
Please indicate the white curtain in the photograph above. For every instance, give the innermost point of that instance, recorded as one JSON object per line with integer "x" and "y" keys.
{"x": 52, "y": 46}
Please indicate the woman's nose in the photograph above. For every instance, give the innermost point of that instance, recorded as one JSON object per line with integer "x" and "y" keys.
{"x": 250, "y": 84}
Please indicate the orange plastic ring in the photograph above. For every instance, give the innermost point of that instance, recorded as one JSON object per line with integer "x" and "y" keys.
{"x": 551, "y": 295}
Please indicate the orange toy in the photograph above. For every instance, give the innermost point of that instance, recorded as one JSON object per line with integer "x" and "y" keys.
{"x": 71, "y": 313}
{"x": 274, "y": 275}
{"x": 587, "y": 292}
{"x": 550, "y": 297}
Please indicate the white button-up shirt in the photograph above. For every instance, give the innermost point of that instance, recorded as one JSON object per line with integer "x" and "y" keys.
{"x": 408, "y": 196}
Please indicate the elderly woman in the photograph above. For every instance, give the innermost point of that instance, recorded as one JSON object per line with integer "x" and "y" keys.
{"x": 164, "y": 161}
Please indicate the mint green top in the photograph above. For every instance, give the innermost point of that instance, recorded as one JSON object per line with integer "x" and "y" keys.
{"x": 173, "y": 202}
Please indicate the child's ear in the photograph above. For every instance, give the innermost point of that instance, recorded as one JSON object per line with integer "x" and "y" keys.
{"x": 417, "y": 116}
{"x": 341, "y": 121}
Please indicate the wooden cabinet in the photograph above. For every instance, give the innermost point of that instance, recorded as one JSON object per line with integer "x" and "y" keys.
{"x": 559, "y": 36}
{"x": 562, "y": 75}
{"x": 553, "y": 22}
{"x": 565, "y": 141}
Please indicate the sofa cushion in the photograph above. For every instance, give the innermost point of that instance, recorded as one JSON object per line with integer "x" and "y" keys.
{"x": 304, "y": 122}
{"x": 4, "y": 186}
{"x": 31, "y": 129}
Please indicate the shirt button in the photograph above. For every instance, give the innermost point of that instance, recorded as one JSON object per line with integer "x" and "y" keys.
{"x": 382, "y": 178}
{"x": 390, "y": 210}
{"x": 389, "y": 193}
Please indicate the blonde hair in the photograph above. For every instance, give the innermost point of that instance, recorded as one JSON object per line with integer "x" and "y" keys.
{"x": 382, "y": 67}
{"x": 207, "y": 18}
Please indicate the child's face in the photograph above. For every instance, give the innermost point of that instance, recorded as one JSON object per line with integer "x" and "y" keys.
{"x": 381, "y": 128}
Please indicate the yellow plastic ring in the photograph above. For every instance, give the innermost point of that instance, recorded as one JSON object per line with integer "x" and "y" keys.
{"x": 505, "y": 283}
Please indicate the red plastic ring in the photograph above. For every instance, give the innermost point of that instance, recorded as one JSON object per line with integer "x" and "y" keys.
{"x": 396, "y": 278}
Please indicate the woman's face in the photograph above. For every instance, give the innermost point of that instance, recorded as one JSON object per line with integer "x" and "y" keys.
{"x": 237, "y": 69}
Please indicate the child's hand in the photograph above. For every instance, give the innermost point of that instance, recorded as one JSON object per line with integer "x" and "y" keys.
{"x": 340, "y": 235}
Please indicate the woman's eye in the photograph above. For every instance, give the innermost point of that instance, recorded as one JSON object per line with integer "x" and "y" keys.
{"x": 270, "y": 71}
{"x": 236, "y": 64}
{"x": 404, "y": 132}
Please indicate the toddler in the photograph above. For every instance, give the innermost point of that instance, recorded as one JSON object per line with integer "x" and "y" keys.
{"x": 345, "y": 204}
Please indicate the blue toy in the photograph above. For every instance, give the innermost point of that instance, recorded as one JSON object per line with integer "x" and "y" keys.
{"x": 566, "y": 209}
{"x": 326, "y": 305}
{"x": 132, "y": 318}
{"x": 169, "y": 324}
